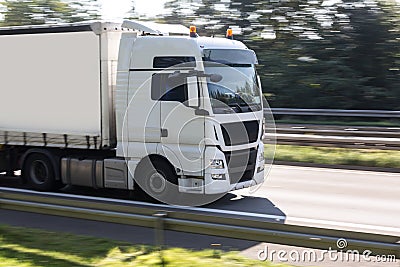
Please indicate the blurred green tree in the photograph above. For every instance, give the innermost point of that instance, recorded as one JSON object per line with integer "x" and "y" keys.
{"x": 312, "y": 54}
{"x": 34, "y": 12}
{"x": 132, "y": 13}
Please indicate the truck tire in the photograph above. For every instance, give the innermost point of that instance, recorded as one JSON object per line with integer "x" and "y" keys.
{"x": 158, "y": 181}
{"x": 39, "y": 172}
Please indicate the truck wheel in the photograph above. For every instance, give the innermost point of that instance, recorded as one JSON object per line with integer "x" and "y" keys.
{"x": 159, "y": 181}
{"x": 39, "y": 172}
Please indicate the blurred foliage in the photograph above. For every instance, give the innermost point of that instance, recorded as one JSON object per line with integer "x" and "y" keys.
{"x": 312, "y": 53}
{"x": 35, "y": 12}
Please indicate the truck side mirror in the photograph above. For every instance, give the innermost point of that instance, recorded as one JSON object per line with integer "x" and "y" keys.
{"x": 193, "y": 92}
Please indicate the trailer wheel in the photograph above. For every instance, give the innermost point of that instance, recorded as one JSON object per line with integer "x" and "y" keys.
{"x": 39, "y": 172}
{"x": 158, "y": 180}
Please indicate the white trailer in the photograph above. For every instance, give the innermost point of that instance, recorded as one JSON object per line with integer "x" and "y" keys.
{"x": 57, "y": 86}
{"x": 98, "y": 104}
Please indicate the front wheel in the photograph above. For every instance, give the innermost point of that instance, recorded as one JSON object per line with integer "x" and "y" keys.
{"x": 158, "y": 181}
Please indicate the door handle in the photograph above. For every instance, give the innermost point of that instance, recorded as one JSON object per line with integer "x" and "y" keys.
{"x": 164, "y": 132}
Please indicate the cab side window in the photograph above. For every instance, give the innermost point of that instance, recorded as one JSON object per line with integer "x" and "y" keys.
{"x": 166, "y": 88}
{"x": 167, "y": 62}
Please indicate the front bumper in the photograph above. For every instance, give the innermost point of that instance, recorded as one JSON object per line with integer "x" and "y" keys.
{"x": 256, "y": 176}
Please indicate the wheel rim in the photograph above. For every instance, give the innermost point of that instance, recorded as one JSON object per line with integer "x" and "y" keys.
{"x": 39, "y": 172}
{"x": 157, "y": 182}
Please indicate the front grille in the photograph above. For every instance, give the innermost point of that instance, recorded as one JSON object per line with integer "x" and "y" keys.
{"x": 241, "y": 164}
{"x": 239, "y": 133}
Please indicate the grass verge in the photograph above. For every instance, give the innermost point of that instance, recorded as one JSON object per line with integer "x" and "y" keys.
{"x": 23, "y": 247}
{"x": 338, "y": 156}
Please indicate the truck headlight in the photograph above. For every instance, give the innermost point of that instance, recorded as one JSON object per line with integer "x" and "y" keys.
{"x": 261, "y": 155}
{"x": 217, "y": 164}
{"x": 218, "y": 176}
{"x": 263, "y": 128}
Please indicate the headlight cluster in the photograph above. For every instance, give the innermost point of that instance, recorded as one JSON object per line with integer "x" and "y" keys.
{"x": 261, "y": 155}
{"x": 218, "y": 176}
{"x": 217, "y": 164}
{"x": 263, "y": 128}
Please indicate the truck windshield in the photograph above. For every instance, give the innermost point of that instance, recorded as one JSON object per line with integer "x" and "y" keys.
{"x": 238, "y": 90}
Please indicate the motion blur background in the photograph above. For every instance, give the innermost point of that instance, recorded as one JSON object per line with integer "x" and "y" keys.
{"x": 312, "y": 54}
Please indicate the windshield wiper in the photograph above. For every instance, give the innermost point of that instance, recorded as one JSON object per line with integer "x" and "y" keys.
{"x": 236, "y": 105}
{"x": 256, "y": 106}
{"x": 251, "y": 106}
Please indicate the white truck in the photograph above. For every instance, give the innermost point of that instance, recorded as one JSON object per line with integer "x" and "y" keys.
{"x": 135, "y": 105}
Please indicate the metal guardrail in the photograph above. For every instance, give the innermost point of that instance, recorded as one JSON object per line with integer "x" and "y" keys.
{"x": 336, "y": 112}
{"x": 337, "y": 130}
{"x": 226, "y": 224}
{"x": 338, "y": 141}
{"x": 338, "y": 136}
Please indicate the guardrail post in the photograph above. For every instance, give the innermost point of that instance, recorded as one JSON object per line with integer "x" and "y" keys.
{"x": 159, "y": 234}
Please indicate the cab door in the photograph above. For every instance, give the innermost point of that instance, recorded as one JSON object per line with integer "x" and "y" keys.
{"x": 182, "y": 126}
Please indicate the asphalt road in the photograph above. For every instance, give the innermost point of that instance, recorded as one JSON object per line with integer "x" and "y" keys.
{"x": 329, "y": 198}
{"x": 367, "y": 201}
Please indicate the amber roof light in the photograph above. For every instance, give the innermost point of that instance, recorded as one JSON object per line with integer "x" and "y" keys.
{"x": 229, "y": 34}
{"x": 193, "y": 31}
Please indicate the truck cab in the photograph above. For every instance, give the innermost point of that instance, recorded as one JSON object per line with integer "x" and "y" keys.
{"x": 192, "y": 108}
